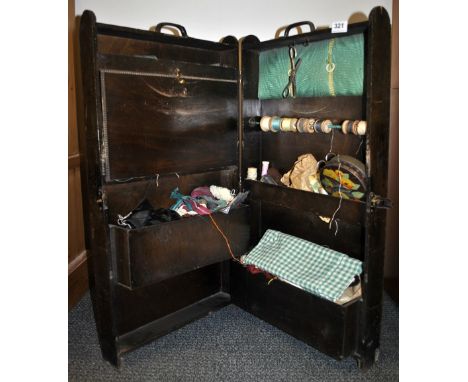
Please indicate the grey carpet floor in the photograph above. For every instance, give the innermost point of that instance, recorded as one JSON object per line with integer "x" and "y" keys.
{"x": 228, "y": 345}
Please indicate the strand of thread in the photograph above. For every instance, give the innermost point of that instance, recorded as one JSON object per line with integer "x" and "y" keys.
{"x": 331, "y": 142}
{"x": 224, "y": 237}
{"x": 341, "y": 198}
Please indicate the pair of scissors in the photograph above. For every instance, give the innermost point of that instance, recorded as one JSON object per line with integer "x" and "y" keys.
{"x": 290, "y": 89}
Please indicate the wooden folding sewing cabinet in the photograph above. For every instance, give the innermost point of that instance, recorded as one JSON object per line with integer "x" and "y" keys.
{"x": 165, "y": 111}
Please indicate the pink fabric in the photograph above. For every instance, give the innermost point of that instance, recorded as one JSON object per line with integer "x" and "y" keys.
{"x": 201, "y": 191}
{"x": 200, "y": 209}
{"x": 254, "y": 270}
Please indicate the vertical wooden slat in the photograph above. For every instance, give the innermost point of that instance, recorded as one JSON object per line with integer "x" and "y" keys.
{"x": 97, "y": 234}
{"x": 72, "y": 250}
{"x": 77, "y": 267}
{"x": 378, "y": 114}
{"x": 395, "y": 44}
{"x": 72, "y": 130}
{"x": 391, "y": 255}
{"x": 76, "y": 243}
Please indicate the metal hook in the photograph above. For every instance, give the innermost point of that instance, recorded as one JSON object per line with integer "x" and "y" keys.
{"x": 329, "y": 156}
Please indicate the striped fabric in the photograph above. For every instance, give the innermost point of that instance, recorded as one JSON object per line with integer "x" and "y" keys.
{"x": 319, "y": 270}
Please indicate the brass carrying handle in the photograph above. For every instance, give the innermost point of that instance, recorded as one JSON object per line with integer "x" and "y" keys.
{"x": 181, "y": 29}
{"x": 299, "y": 23}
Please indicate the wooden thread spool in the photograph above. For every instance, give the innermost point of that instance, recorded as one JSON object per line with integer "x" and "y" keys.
{"x": 362, "y": 128}
{"x": 293, "y": 125}
{"x": 252, "y": 173}
{"x": 300, "y": 125}
{"x": 345, "y": 126}
{"x": 316, "y": 125}
{"x": 325, "y": 126}
{"x": 309, "y": 126}
{"x": 265, "y": 123}
{"x": 354, "y": 127}
{"x": 275, "y": 124}
{"x": 286, "y": 124}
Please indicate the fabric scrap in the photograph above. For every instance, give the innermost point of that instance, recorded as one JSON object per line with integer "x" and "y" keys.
{"x": 319, "y": 270}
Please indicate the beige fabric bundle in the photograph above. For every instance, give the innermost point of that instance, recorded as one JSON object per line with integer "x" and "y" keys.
{"x": 303, "y": 175}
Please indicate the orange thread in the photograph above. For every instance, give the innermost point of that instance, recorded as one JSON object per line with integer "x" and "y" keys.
{"x": 224, "y": 237}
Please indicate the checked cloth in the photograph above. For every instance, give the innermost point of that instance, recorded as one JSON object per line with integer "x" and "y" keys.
{"x": 319, "y": 270}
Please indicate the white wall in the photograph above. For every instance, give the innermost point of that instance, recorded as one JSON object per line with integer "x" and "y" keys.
{"x": 213, "y": 19}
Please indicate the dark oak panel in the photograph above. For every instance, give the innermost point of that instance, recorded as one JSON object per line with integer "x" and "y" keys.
{"x": 171, "y": 322}
{"x": 324, "y": 325}
{"x": 151, "y": 254}
{"x": 167, "y": 67}
{"x": 308, "y": 202}
{"x": 341, "y": 107}
{"x": 151, "y": 126}
{"x": 211, "y": 54}
{"x": 135, "y": 308}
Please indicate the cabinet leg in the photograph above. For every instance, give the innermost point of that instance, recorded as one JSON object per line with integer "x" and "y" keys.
{"x": 366, "y": 361}
{"x": 110, "y": 354}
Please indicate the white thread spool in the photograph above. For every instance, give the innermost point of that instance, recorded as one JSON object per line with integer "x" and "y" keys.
{"x": 265, "y": 124}
{"x": 265, "y": 165}
{"x": 362, "y": 127}
{"x": 252, "y": 173}
{"x": 325, "y": 126}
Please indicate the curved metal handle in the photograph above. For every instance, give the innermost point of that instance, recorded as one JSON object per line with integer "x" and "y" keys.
{"x": 181, "y": 29}
{"x": 299, "y": 23}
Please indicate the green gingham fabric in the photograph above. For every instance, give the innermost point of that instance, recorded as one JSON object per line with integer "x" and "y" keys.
{"x": 312, "y": 79}
{"x": 319, "y": 270}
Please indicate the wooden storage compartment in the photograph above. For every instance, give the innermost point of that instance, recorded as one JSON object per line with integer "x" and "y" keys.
{"x": 165, "y": 112}
{"x": 151, "y": 254}
{"x": 329, "y": 327}
{"x": 318, "y": 204}
{"x": 159, "y": 116}
{"x": 298, "y": 213}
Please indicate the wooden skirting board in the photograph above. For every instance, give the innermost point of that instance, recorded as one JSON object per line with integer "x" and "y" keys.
{"x": 77, "y": 279}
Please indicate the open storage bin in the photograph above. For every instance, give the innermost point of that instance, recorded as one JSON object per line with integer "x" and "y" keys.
{"x": 332, "y": 329}
{"x": 151, "y": 254}
{"x": 299, "y": 213}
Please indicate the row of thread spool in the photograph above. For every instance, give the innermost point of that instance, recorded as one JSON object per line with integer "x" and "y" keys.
{"x": 307, "y": 125}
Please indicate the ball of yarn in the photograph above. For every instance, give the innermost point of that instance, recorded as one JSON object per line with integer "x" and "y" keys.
{"x": 222, "y": 193}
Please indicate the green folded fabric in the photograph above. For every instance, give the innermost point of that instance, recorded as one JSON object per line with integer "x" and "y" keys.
{"x": 313, "y": 79}
{"x": 319, "y": 270}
